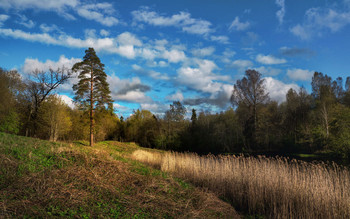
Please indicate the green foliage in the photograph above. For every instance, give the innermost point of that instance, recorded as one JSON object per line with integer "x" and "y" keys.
{"x": 92, "y": 89}
{"x": 10, "y": 123}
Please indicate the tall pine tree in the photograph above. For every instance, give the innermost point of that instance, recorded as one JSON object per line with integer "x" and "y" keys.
{"x": 92, "y": 91}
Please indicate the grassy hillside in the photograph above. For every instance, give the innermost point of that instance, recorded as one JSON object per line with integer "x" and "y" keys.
{"x": 46, "y": 179}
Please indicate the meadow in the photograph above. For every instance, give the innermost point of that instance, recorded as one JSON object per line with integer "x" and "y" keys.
{"x": 42, "y": 179}
{"x": 260, "y": 186}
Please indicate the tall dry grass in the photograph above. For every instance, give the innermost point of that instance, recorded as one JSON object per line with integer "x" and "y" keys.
{"x": 274, "y": 187}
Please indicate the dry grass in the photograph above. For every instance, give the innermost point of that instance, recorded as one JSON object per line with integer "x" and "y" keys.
{"x": 93, "y": 182}
{"x": 274, "y": 187}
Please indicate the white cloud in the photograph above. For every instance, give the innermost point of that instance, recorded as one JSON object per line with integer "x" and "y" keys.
{"x": 201, "y": 78}
{"x": 155, "y": 108}
{"x": 300, "y": 74}
{"x": 178, "y": 96}
{"x": 3, "y": 18}
{"x": 49, "y": 28}
{"x": 242, "y": 65}
{"x": 128, "y": 38}
{"x": 151, "y": 73}
{"x": 239, "y": 26}
{"x": 269, "y": 59}
{"x": 268, "y": 71}
{"x": 31, "y": 65}
{"x": 227, "y": 55}
{"x": 174, "y": 56}
{"x": 220, "y": 39}
{"x": 120, "y": 107}
{"x": 182, "y": 20}
{"x": 100, "y": 12}
{"x": 26, "y": 22}
{"x": 90, "y": 33}
{"x": 104, "y": 32}
{"x": 129, "y": 90}
{"x": 277, "y": 89}
{"x": 202, "y": 52}
{"x": 109, "y": 45}
{"x": 57, "y": 5}
{"x": 133, "y": 96}
{"x": 280, "y": 13}
{"x": 67, "y": 100}
{"x": 126, "y": 44}
{"x": 320, "y": 20}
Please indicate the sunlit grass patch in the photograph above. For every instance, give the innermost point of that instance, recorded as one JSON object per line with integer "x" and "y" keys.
{"x": 271, "y": 187}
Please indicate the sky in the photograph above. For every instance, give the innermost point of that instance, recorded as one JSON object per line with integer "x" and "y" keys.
{"x": 156, "y": 52}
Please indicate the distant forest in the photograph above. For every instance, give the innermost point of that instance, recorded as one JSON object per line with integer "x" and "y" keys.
{"x": 304, "y": 123}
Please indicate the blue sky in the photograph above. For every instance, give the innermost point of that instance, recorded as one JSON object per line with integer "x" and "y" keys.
{"x": 157, "y": 51}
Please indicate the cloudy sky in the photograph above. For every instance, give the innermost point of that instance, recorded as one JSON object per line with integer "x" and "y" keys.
{"x": 157, "y": 51}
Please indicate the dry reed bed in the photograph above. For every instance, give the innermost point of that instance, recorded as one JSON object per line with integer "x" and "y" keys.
{"x": 274, "y": 187}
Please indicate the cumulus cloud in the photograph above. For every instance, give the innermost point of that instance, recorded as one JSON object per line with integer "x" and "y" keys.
{"x": 300, "y": 74}
{"x": 128, "y": 38}
{"x": 202, "y": 78}
{"x": 219, "y": 99}
{"x": 202, "y": 52}
{"x": 156, "y": 107}
{"x": 153, "y": 74}
{"x": 239, "y": 26}
{"x": 182, "y": 20}
{"x": 31, "y": 65}
{"x": 67, "y": 100}
{"x": 281, "y": 12}
{"x": 269, "y": 60}
{"x": 268, "y": 71}
{"x": 174, "y": 55}
{"x": 129, "y": 90}
{"x": 277, "y": 89}
{"x": 320, "y": 20}
{"x": 178, "y": 96}
{"x": 241, "y": 64}
{"x": 104, "y": 32}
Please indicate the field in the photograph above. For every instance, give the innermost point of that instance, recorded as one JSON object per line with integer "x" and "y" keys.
{"x": 46, "y": 179}
{"x": 112, "y": 179}
{"x": 270, "y": 187}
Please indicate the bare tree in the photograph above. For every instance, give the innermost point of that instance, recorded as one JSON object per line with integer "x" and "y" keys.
{"x": 39, "y": 86}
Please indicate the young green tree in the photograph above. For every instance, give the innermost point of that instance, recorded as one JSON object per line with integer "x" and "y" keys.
{"x": 92, "y": 91}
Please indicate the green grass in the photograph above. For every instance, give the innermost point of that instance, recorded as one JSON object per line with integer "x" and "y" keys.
{"x": 41, "y": 179}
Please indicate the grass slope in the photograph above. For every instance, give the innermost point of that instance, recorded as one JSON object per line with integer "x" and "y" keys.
{"x": 46, "y": 179}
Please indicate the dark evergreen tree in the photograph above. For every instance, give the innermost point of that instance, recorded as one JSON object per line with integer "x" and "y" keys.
{"x": 92, "y": 91}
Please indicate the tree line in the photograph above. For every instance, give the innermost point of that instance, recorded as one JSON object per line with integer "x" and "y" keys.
{"x": 305, "y": 122}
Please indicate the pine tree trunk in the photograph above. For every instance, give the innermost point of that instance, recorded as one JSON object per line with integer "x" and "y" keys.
{"x": 91, "y": 110}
